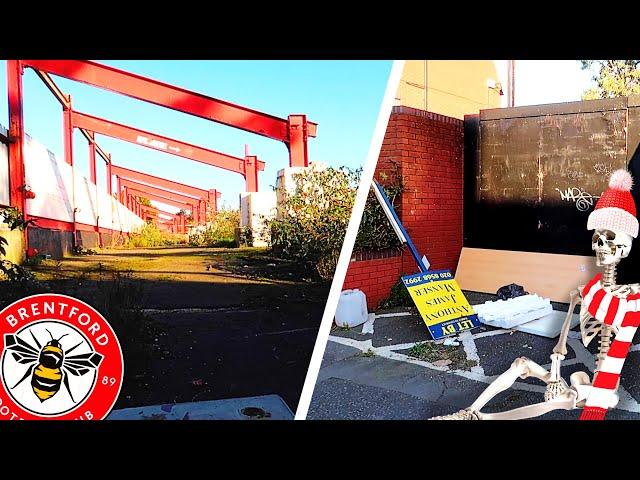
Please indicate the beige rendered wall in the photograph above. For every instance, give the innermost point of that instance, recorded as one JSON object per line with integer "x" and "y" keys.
{"x": 449, "y": 87}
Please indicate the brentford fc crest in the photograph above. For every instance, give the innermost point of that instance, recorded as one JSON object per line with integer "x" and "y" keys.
{"x": 59, "y": 360}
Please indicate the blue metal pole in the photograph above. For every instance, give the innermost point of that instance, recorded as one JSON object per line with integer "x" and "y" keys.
{"x": 394, "y": 219}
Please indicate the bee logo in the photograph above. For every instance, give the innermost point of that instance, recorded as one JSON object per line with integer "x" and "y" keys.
{"x": 50, "y": 366}
{"x": 59, "y": 360}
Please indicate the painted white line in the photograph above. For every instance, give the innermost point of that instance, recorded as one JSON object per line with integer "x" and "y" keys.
{"x": 362, "y": 345}
{"x": 397, "y": 314}
{"x": 491, "y": 333}
{"x": 627, "y": 402}
{"x": 470, "y": 349}
{"x": 349, "y": 239}
{"x": 397, "y": 346}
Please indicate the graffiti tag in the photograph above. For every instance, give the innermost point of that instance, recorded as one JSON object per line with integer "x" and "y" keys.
{"x": 574, "y": 174}
{"x": 602, "y": 168}
{"x": 583, "y": 200}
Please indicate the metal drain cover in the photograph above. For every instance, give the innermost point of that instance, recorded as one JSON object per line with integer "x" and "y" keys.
{"x": 255, "y": 412}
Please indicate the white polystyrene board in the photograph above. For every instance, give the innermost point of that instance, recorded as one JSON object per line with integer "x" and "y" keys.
{"x": 514, "y": 311}
{"x": 105, "y": 210}
{"x": 512, "y": 321}
{"x": 50, "y": 180}
{"x": 549, "y": 325}
{"x": 87, "y": 208}
{"x": 58, "y": 190}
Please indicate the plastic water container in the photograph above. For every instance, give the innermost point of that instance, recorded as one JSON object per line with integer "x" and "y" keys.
{"x": 352, "y": 309}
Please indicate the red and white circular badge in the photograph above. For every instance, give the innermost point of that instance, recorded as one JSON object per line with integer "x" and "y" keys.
{"x": 59, "y": 360}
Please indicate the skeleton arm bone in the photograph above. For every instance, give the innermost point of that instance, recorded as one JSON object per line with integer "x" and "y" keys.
{"x": 560, "y": 350}
{"x": 561, "y": 346}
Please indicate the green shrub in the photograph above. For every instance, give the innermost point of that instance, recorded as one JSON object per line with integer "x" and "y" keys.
{"x": 150, "y": 236}
{"x": 312, "y": 218}
{"x": 220, "y": 232}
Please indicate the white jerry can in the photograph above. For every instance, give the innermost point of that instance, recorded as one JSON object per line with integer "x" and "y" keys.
{"x": 352, "y": 308}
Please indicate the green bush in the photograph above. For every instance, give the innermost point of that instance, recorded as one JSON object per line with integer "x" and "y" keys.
{"x": 375, "y": 231}
{"x": 14, "y": 278}
{"x": 312, "y": 218}
{"x": 220, "y": 232}
{"x": 150, "y": 236}
{"x": 399, "y": 297}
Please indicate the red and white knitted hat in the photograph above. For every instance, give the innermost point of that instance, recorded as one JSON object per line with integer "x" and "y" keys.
{"x": 616, "y": 209}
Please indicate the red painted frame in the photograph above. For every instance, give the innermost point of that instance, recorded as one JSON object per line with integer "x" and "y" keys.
{"x": 294, "y": 131}
{"x": 247, "y": 167}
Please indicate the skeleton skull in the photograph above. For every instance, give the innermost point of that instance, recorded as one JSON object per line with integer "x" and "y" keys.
{"x": 610, "y": 246}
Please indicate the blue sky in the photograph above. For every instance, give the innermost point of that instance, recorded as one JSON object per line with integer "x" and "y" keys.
{"x": 343, "y": 97}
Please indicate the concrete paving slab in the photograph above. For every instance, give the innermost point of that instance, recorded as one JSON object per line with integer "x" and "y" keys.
{"x": 265, "y": 407}
{"x": 336, "y": 352}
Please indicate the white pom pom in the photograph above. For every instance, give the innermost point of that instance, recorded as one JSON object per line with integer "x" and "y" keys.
{"x": 621, "y": 180}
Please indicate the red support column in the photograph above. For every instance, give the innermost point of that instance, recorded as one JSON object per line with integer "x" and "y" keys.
{"x": 16, "y": 138}
{"x": 203, "y": 212}
{"x": 109, "y": 177}
{"x": 251, "y": 173}
{"x": 92, "y": 160}
{"x": 298, "y": 135}
{"x": 67, "y": 132}
{"x": 213, "y": 200}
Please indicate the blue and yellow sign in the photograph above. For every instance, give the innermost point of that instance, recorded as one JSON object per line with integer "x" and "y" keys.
{"x": 441, "y": 303}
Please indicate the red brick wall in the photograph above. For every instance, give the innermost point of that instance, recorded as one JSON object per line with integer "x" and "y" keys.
{"x": 374, "y": 277}
{"x": 431, "y": 149}
{"x": 428, "y": 148}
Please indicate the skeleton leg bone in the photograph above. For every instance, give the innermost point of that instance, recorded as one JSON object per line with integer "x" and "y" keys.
{"x": 521, "y": 368}
{"x": 564, "y": 401}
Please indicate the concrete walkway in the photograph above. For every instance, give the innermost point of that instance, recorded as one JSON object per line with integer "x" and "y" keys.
{"x": 235, "y": 322}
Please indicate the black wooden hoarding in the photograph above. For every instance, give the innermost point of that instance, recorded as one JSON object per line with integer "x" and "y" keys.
{"x": 533, "y": 174}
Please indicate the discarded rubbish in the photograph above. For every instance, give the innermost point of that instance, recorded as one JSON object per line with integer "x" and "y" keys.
{"x": 352, "y": 309}
{"x": 548, "y": 326}
{"x": 367, "y": 328}
{"x": 450, "y": 342}
{"x": 442, "y": 363}
{"x": 513, "y": 312}
{"x": 512, "y": 290}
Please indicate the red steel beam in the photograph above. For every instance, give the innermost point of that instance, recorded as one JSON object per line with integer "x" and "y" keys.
{"x": 127, "y": 173}
{"x": 178, "y": 197}
{"x": 163, "y": 94}
{"x": 157, "y": 198}
{"x": 160, "y": 143}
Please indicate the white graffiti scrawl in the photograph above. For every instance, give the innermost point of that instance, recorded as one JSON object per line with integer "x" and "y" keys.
{"x": 583, "y": 200}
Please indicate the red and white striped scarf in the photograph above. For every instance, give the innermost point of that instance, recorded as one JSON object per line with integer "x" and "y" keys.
{"x": 623, "y": 313}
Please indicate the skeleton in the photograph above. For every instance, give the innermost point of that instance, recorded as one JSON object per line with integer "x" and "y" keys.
{"x": 610, "y": 248}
